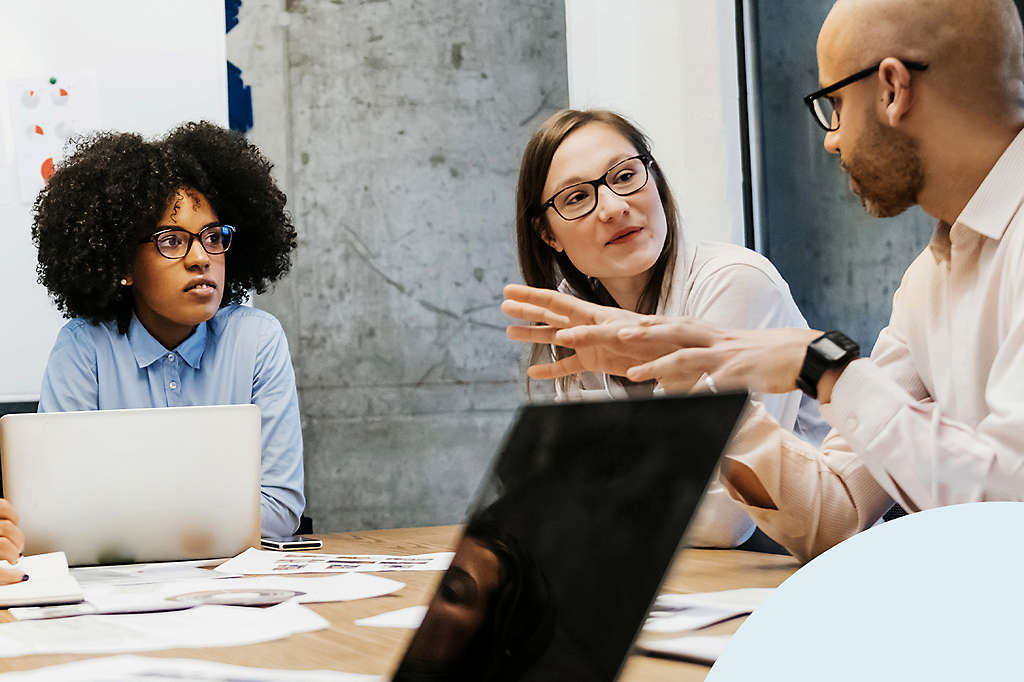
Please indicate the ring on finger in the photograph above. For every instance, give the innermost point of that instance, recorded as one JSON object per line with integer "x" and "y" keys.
{"x": 708, "y": 382}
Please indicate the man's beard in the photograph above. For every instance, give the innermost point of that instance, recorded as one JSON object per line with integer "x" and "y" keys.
{"x": 885, "y": 172}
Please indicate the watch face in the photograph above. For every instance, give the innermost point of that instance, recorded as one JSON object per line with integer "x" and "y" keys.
{"x": 829, "y": 349}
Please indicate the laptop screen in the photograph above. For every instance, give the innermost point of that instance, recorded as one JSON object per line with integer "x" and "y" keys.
{"x": 569, "y": 539}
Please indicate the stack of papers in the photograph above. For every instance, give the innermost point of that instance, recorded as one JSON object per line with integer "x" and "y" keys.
{"x": 678, "y": 612}
{"x": 183, "y": 594}
{"x": 261, "y": 562}
{"x": 203, "y": 626}
{"x": 700, "y": 649}
{"x": 49, "y": 582}
{"x": 138, "y": 574}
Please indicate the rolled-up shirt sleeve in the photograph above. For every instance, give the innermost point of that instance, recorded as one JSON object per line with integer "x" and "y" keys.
{"x": 920, "y": 454}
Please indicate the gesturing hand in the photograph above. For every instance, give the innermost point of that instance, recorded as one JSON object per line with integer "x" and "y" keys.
{"x": 590, "y": 329}
{"x": 766, "y": 360}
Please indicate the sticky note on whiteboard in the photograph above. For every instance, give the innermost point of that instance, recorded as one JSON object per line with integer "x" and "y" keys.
{"x": 47, "y": 110}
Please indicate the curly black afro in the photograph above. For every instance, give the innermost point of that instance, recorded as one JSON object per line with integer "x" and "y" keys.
{"x": 111, "y": 192}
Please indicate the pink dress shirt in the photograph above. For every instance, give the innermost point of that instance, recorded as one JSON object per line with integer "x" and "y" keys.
{"x": 936, "y": 415}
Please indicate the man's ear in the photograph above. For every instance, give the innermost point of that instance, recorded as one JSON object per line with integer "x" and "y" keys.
{"x": 895, "y": 80}
{"x": 546, "y": 235}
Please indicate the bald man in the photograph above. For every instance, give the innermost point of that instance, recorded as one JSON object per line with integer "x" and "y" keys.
{"x": 923, "y": 101}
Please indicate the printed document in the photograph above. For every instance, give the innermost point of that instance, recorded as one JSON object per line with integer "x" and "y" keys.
{"x": 265, "y": 562}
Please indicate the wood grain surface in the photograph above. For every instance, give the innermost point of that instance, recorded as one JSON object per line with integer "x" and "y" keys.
{"x": 352, "y": 648}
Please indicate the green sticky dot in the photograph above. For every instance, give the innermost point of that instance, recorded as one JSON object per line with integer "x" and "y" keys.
{"x": 53, "y": 81}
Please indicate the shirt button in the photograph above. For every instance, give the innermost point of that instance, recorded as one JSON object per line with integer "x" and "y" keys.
{"x": 170, "y": 357}
{"x": 852, "y": 424}
{"x": 173, "y": 385}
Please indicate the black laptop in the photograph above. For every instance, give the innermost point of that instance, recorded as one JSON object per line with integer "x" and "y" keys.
{"x": 569, "y": 539}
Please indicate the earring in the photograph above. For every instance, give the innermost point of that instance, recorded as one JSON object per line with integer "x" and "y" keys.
{"x": 124, "y": 282}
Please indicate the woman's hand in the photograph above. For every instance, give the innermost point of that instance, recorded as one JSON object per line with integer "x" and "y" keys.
{"x": 12, "y": 542}
{"x": 570, "y": 322}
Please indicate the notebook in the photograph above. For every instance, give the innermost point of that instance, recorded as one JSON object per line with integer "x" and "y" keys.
{"x": 50, "y": 582}
{"x": 127, "y": 486}
{"x": 569, "y": 539}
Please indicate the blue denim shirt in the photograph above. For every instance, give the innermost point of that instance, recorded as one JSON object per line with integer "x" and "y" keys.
{"x": 239, "y": 356}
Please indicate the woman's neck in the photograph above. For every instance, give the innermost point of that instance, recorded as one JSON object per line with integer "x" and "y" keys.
{"x": 169, "y": 334}
{"x": 627, "y": 290}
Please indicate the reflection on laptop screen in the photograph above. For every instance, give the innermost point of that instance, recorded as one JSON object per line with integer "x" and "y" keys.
{"x": 569, "y": 539}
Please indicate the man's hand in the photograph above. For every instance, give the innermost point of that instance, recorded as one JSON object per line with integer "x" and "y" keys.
{"x": 12, "y": 542}
{"x": 766, "y": 360}
{"x": 590, "y": 329}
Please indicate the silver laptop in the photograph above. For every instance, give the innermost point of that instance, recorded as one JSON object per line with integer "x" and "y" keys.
{"x": 126, "y": 486}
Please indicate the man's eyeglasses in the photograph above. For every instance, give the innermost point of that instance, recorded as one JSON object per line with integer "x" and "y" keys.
{"x": 823, "y": 107}
{"x": 624, "y": 178}
{"x": 175, "y": 243}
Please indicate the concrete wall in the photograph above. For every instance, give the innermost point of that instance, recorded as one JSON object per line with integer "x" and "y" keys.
{"x": 397, "y": 129}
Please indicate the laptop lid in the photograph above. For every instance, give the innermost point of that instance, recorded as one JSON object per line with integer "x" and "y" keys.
{"x": 569, "y": 539}
{"x": 124, "y": 486}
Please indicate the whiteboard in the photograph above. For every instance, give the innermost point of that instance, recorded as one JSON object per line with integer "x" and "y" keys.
{"x": 131, "y": 65}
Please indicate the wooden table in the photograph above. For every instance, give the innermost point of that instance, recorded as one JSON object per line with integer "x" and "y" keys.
{"x": 352, "y": 648}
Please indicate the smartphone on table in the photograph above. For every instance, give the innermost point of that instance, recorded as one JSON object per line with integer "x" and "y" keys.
{"x": 291, "y": 543}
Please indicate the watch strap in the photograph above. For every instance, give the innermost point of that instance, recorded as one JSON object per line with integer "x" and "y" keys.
{"x": 817, "y": 362}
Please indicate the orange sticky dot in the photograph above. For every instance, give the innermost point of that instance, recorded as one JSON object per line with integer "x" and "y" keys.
{"x": 63, "y": 92}
{"x": 47, "y": 169}
{"x": 39, "y": 131}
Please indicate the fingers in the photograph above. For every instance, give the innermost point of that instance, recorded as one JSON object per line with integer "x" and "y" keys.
{"x": 534, "y": 313}
{"x": 679, "y": 332}
{"x": 12, "y": 540}
{"x": 7, "y": 511}
{"x": 588, "y": 335}
{"x": 12, "y": 575}
{"x": 554, "y": 370}
{"x": 532, "y": 333}
{"x": 12, "y": 534}
{"x": 554, "y": 301}
{"x": 9, "y": 551}
{"x": 676, "y": 370}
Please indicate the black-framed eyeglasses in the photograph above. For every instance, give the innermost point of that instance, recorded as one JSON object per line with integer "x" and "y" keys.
{"x": 175, "y": 242}
{"x": 624, "y": 178}
{"x": 823, "y": 107}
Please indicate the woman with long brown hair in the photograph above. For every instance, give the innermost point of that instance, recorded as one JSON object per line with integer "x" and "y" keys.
{"x": 596, "y": 219}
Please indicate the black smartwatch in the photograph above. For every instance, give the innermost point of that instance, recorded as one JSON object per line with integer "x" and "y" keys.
{"x": 830, "y": 350}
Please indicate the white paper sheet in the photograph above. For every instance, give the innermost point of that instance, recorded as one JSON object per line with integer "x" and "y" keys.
{"x": 134, "y": 574}
{"x": 181, "y": 594}
{"x": 409, "y": 618}
{"x": 203, "y": 626}
{"x": 698, "y": 648}
{"x": 49, "y": 582}
{"x": 143, "y": 669}
{"x": 678, "y": 612}
{"x": 265, "y": 562}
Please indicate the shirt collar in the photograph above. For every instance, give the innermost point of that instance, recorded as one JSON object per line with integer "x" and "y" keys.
{"x": 148, "y": 350}
{"x": 191, "y": 349}
{"x": 993, "y": 205}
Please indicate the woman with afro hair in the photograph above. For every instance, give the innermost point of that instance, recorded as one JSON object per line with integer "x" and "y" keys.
{"x": 150, "y": 247}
